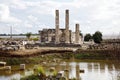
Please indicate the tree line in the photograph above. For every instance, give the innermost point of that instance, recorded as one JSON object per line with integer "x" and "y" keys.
{"x": 97, "y": 37}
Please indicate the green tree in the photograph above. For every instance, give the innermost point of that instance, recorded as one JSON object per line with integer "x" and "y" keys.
{"x": 97, "y": 37}
{"x": 28, "y": 35}
{"x": 87, "y": 37}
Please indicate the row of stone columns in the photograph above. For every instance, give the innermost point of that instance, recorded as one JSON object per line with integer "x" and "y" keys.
{"x": 67, "y": 33}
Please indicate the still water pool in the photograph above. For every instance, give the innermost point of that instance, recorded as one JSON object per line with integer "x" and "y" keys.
{"x": 99, "y": 70}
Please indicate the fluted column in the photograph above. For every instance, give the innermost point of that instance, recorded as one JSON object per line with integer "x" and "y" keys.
{"x": 77, "y": 34}
{"x": 57, "y": 27}
{"x": 67, "y": 34}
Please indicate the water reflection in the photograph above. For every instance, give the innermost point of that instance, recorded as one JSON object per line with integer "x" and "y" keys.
{"x": 92, "y": 71}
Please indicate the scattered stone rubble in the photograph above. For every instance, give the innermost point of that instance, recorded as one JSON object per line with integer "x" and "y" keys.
{"x": 7, "y": 45}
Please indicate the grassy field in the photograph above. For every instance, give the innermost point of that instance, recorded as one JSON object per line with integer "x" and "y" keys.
{"x": 37, "y": 56}
{"x": 33, "y": 52}
{"x": 98, "y": 54}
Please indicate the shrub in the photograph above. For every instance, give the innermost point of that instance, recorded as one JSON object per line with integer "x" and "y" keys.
{"x": 54, "y": 73}
{"x": 41, "y": 70}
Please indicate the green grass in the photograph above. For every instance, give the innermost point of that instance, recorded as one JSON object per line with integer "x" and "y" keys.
{"x": 14, "y": 61}
{"x": 97, "y": 56}
{"x": 40, "y": 70}
{"x": 81, "y": 55}
{"x": 32, "y": 77}
{"x": 54, "y": 73}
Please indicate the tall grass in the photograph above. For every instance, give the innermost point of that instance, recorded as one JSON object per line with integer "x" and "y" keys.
{"x": 31, "y": 77}
{"x": 54, "y": 73}
{"x": 41, "y": 71}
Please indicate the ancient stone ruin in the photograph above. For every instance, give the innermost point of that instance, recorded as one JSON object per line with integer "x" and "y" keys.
{"x": 59, "y": 35}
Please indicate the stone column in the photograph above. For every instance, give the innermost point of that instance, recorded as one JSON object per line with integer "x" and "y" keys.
{"x": 49, "y": 38}
{"x": 67, "y": 34}
{"x": 40, "y": 36}
{"x": 77, "y": 34}
{"x": 77, "y": 72}
{"x": 57, "y": 27}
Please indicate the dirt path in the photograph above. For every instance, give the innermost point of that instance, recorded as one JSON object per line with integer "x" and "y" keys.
{"x": 42, "y": 50}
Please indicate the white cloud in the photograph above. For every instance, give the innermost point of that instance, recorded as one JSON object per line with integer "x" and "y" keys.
{"x": 5, "y": 14}
{"x": 18, "y": 4}
{"x": 32, "y": 18}
{"x": 27, "y": 24}
{"x": 93, "y": 15}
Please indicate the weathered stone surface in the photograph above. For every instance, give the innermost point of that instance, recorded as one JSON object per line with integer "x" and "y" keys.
{"x": 67, "y": 26}
{"x": 58, "y": 35}
{"x": 77, "y": 34}
{"x": 22, "y": 66}
{"x": 57, "y": 27}
{"x": 7, "y": 67}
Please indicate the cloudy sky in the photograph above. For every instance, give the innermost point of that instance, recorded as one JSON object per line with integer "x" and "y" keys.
{"x": 33, "y": 15}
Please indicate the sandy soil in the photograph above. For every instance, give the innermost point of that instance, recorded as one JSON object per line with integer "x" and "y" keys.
{"x": 28, "y": 52}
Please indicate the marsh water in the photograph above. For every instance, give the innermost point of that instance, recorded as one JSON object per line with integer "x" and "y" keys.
{"x": 92, "y": 70}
